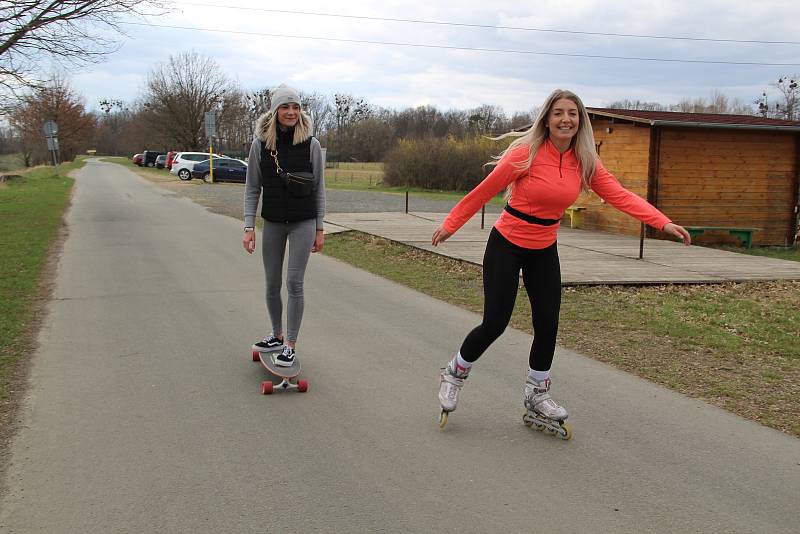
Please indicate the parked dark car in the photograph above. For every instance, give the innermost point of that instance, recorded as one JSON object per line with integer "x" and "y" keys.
{"x": 137, "y": 159}
{"x": 225, "y": 170}
{"x": 161, "y": 161}
{"x": 149, "y": 157}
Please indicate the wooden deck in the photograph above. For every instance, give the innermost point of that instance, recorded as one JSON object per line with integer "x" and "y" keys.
{"x": 587, "y": 257}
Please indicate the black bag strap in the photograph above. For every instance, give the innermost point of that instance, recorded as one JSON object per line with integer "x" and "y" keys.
{"x": 274, "y": 154}
{"x": 530, "y": 218}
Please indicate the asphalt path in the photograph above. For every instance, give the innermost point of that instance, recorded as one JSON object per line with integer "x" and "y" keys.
{"x": 144, "y": 412}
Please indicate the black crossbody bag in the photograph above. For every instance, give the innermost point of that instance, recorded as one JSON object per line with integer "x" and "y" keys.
{"x": 299, "y": 184}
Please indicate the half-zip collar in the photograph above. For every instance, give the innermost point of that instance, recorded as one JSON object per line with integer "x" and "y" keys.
{"x": 553, "y": 151}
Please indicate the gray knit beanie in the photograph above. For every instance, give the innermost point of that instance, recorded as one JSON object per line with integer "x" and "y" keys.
{"x": 283, "y": 94}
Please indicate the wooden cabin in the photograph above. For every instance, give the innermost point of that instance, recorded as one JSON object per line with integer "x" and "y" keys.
{"x": 702, "y": 170}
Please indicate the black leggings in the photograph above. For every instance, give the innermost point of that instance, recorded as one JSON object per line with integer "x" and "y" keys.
{"x": 541, "y": 273}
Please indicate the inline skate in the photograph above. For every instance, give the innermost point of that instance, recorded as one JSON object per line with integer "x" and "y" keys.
{"x": 543, "y": 413}
{"x": 451, "y": 380}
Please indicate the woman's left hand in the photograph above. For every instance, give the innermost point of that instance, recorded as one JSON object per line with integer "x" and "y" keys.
{"x": 679, "y": 232}
{"x": 319, "y": 240}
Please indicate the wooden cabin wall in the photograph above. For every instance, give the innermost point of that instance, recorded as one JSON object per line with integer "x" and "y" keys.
{"x": 624, "y": 151}
{"x": 728, "y": 177}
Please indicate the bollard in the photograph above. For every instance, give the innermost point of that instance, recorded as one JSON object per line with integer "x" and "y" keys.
{"x": 641, "y": 241}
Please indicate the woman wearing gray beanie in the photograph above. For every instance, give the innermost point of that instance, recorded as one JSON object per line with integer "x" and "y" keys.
{"x": 292, "y": 213}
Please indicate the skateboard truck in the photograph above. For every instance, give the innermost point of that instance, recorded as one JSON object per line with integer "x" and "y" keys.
{"x": 286, "y": 374}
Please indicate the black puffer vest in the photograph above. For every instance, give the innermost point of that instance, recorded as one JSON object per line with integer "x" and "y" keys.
{"x": 277, "y": 205}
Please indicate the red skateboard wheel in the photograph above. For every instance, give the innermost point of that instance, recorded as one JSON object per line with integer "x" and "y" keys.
{"x": 302, "y": 386}
{"x": 256, "y": 356}
{"x": 266, "y": 387}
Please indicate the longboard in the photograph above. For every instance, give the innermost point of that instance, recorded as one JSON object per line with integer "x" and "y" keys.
{"x": 287, "y": 375}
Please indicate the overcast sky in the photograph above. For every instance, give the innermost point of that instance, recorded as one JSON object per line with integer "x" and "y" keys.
{"x": 398, "y": 76}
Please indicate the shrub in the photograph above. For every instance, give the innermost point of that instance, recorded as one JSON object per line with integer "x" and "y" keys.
{"x": 447, "y": 164}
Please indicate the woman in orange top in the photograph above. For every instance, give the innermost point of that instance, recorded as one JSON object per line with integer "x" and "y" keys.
{"x": 545, "y": 169}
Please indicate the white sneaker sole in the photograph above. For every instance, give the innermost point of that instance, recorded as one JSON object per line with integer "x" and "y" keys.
{"x": 267, "y": 349}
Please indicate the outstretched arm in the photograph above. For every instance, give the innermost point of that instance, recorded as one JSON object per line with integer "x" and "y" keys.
{"x": 609, "y": 189}
{"x": 508, "y": 169}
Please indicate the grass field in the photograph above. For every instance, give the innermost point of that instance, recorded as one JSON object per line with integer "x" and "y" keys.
{"x": 734, "y": 345}
{"x": 31, "y": 210}
{"x": 369, "y": 177}
{"x": 781, "y": 253}
{"x": 11, "y": 162}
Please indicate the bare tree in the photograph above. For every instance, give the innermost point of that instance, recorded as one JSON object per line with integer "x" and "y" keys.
{"x": 180, "y": 91}
{"x": 67, "y": 31}
{"x": 319, "y": 109}
{"x": 637, "y": 104}
{"x": 347, "y": 111}
{"x": 787, "y": 105}
{"x": 54, "y": 101}
{"x": 487, "y": 119}
{"x": 234, "y": 128}
{"x": 109, "y": 126}
{"x": 717, "y": 103}
{"x": 258, "y": 103}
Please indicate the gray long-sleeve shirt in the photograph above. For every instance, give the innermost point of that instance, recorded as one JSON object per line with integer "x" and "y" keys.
{"x": 252, "y": 187}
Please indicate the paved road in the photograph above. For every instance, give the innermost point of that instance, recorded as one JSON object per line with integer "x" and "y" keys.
{"x": 144, "y": 413}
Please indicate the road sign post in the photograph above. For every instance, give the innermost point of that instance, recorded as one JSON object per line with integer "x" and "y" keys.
{"x": 211, "y": 132}
{"x": 50, "y": 129}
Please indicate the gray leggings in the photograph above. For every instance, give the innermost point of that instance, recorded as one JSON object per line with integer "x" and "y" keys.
{"x": 300, "y": 235}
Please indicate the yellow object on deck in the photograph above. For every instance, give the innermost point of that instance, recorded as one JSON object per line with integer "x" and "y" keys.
{"x": 575, "y": 216}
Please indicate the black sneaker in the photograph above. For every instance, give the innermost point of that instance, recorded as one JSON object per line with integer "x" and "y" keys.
{"x": 286, "y": 357}
{"x": 268, "y": 344}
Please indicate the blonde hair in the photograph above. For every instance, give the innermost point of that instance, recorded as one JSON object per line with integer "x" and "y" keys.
{"x": 535, "y": 136}
{"x": 302, "y": 130}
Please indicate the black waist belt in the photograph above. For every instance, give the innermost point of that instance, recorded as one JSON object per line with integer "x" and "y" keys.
{"x": 530, "y": 218}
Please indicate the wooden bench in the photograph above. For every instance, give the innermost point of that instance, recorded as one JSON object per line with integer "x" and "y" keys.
{"x": 745, "y": 235}
{"x": 575, "y": 216}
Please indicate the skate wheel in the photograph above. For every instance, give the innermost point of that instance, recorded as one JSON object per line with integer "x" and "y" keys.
{"x": 566, "y": 431}
{"x": 443, "y": 419}
{"x": 266, "y": 387}
{"x": 256, "y": 355}
{"x": 302, "y": 386}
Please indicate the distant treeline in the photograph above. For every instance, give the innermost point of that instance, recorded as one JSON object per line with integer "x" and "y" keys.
{"x": 169, "y": 115}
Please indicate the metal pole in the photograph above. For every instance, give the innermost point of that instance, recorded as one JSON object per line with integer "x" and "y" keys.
{"x": 483, "y": 214}
{"x": 406, "y": 200}
{"x": 211, "y": 160}
{"x": 641, "y": 241}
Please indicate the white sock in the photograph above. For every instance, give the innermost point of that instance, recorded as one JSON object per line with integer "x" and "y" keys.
{"x": 461, "y": 362}
{"x": 538, "y": 375}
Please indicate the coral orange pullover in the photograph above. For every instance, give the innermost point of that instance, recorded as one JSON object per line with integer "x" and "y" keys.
{"x": 545, "y": 190}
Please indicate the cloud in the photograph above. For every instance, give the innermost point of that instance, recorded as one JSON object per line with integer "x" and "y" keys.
{"x": 392, "y": 75}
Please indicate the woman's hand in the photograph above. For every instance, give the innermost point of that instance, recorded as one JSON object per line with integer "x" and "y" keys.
{"x": 249, "y": 241}
{"x": 679, "y": 232}
{"x": 440, "y": 235}
{"x": 319, "y": 240}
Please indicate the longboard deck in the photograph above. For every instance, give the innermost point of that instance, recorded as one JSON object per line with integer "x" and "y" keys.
{"x": 277, "y": 370}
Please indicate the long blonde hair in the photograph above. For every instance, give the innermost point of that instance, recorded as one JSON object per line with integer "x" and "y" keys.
{"x": 302, "y": 130}
{"x": 535, "y": 136}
